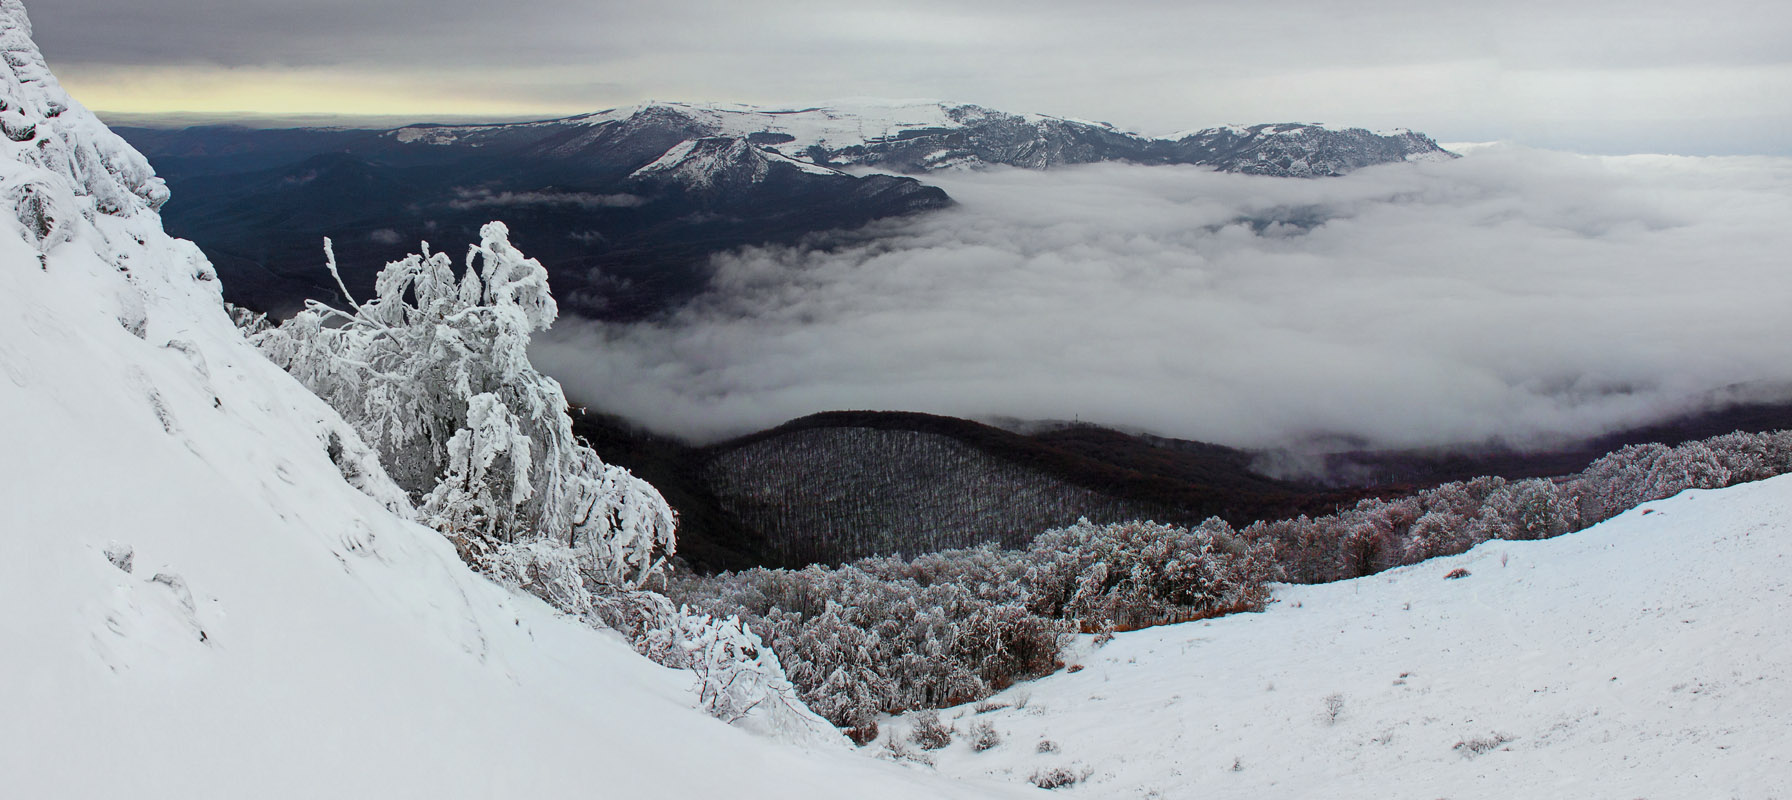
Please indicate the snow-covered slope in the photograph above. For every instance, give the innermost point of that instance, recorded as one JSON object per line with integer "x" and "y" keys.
{"x": 710, "y": 164}
{"x": 194, "y": 602}
{"x": 1648, "y": 656}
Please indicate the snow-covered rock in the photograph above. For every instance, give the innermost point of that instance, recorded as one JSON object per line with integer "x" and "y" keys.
{"x": 196, "y": 602}
{"x": 718, "y": 163}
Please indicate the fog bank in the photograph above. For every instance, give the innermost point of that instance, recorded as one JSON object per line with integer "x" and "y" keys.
{"x": 1512, "y": 294}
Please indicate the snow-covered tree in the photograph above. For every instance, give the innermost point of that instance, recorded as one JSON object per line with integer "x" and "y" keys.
{"x": 434, "y": 372}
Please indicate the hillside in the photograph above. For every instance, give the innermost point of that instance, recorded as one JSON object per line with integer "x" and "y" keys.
{"x": 198, "y": 603}
{"x": 840, "y": 485}
{"x": 1638, "y": 658}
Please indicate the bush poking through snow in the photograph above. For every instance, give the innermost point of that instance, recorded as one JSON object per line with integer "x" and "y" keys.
{"x": 1481, "y": 745}
{"x": 736, "y": 674}
{"x": 1334, "y": 707}
{"x": 929, "y": 732}
{"x": 1054, "y": 778}
{"x": 984, "y": 736}
{"x": 897, "y": 751}
{"x": 1046, "y": 746}
{"x": 1456, "y": 574}
{"x": 735, "y": 671}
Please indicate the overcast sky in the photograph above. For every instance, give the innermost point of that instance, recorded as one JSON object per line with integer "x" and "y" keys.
{"x": 1706, "y": 77}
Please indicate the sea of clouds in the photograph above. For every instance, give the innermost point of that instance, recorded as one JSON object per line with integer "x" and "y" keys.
{"x": 1513, "y": 294}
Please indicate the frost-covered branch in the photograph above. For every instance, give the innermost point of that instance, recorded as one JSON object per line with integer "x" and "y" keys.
{"x": 434, "y": 372}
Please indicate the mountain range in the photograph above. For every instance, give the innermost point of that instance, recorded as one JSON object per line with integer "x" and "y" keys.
{"x": 626, "y": 206}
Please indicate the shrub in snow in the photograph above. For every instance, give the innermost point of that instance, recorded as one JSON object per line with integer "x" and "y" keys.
{"x": 738, "y": 678}
{"x": 897, "y": 751}
{"x": 929, "y": 732}
{"x": 984, "y": 736}
{"x": 1334, "y": 707}
{"x": 1054, "y": 778}
{"x": 434, "y": 373}
{"x": 1131, "y": 575}
{"x": 1480, "y": 745}
{"x": 1046, "y": 746}
{"x": 736, "y": 672}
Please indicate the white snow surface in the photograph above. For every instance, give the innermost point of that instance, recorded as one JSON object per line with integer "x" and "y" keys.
{"x": 197, "y": 604}
{"x": 1648, "y": 656}
{"x": 702, "y": 162}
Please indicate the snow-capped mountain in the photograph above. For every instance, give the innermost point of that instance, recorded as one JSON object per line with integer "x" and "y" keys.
{"x": 720, "y": 164}
{"x": 923, "y": 136}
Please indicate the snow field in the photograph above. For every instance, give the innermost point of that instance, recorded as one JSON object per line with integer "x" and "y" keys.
{"x": 1645, "y": 657}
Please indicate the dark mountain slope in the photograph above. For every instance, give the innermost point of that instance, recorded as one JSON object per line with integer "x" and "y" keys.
{"x": 835, "y": 486}
{"x": 841, "y": 485}
{"x": 621, "y": 241}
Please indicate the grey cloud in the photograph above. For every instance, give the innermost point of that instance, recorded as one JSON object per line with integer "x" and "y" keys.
{"x": 1296, "y": 34}
{"x": 1516, "y": 294}
{"x": 1456, "y": 70}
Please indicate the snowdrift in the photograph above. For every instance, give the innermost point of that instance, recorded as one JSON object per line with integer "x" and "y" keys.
{"x": 197, "y": 601}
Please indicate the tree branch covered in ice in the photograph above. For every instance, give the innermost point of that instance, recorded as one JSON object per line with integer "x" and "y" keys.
{"x": 434, "y": 372}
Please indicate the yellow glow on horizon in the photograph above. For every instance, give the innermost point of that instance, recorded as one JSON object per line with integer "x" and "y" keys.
{"x": 304, "y": 91}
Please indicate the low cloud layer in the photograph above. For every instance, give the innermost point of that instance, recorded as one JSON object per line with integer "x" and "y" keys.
{"x": 466, "y": 199}
{"x": 1512, "y": 294}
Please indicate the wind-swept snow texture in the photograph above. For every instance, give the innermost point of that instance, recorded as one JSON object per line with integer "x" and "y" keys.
{"x": 195, "y": 603}
{"x": 1646, "y": 657}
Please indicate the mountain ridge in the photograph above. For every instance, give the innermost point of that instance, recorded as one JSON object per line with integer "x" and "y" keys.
{"x": 917, "y": 137}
